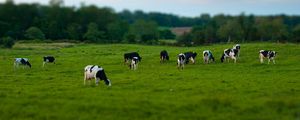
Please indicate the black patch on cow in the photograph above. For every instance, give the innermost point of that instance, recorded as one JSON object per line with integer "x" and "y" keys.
{"x": 129, "y": 56}
{"x": 235, "y": 51}
{"x": 91, "y": 69}
{"x": 265, "y": 53}
{"x": 164, "y": 54}
{"x": 101, "y": 74}
{"x": 49, "y": 59}
{"x": 227, "y": 51}
{"x": 189, "y": 55}
{"x": 223, "y": 58}
{"x": 25, "y": 62}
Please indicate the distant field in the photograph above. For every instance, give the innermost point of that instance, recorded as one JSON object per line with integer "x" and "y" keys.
{"x": 245, "y": 90}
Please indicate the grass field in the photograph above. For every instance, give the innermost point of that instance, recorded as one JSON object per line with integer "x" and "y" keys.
{"x": 245, "y": 90}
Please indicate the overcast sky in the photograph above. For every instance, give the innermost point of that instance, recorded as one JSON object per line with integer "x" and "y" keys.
{"x": 192, "y": 8}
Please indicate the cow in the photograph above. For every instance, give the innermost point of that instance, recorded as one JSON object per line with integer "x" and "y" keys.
{"x": 190, "y": 56}
{"x": 270, "y": 54}
{"x": 229, "y": 53}
{"x": 21, "y": 61}
{"x": 48, "y": 59}
{"x": 164, "y": 56}
{"x": 208, "y": 56}
{"x": 181, "y": 61}
{"x": 129, "y": 56}
{"x": 134, "y": 63}
{"x": 96, "y": 72}
{"x": 238, "y": 48}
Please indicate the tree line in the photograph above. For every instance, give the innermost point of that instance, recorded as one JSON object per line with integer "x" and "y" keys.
{"x": 104, "y": 25}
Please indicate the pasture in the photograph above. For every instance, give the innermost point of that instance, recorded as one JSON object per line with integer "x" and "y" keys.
{"x": 245, "y": 90}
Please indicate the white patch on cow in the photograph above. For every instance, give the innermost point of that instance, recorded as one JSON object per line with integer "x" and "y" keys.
{"x": 180, "y": 62}
{"x": 134, "y": 63}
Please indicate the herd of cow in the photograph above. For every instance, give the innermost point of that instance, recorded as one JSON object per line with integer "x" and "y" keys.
{"x": 96, "y": 72}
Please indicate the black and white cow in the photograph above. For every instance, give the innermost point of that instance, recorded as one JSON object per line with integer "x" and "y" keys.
{"x": 190, "y": 56}
{"x": 96, "y": 72}
{"x": 238, "y": 48}
{"x": 164, "y": 56}
{"x": 134, "y": 63}
{"x": 208, "y": 56}
{"x": 229, "y": 53}
{"x": 181, "y": 61}
{"x": 48, "y": 59}
{"x": 21, "y": 61}
{"x": 129, "y": 56}
{"x": 270, "y": 54}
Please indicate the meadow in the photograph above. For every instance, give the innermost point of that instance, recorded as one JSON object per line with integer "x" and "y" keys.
{"x": 245, "y": 90}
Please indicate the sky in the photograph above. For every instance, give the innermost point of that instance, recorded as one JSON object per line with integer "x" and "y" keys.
{"x": 191, "y": 8}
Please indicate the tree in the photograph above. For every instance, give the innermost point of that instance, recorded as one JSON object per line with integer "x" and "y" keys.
{"x": 230, "y": 30}
{"x": 145, "y": 31}
{"x": 166, "y": 34}
{"x": 296, "y": 34}
{"x": 34, "y": 33}
{"x": 74, "y": 31}
{"x": 7, "y": 42}
{"x": 185, "y": 39}
{"x": 93, "y": 34}
{"x": 117, "y": 30}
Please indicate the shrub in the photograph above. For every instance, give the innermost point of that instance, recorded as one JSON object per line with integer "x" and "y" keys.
{"x": 7, "y": 42}
{"x": 34, "y": 33}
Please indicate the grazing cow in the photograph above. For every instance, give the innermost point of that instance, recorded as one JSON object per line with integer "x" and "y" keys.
{"x": 129, "y": 56}
{"x": 134, "y": 63}
{"x": 21, "y": 61}
{"x": 94, "y": 71}
{"x": 164, "y": 56}
{"x": 48, "y": 59}
{"x": 238, "y": 48}
{"x": 229, "y": 53}
{"x": 267, "y": 54}
{"x": 208, "y": 56}
{"x": 190, "y": 56}
{"x": 181, "y": 61}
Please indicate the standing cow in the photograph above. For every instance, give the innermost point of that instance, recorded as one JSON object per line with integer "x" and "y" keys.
{"x": 129, "y": 56}
{"x": 208, "y": 56}
{"x": 190, "y": 56}
{"x": 96, "y": 72}
{"x": 181, "y": 61}
{"x": 48, "y": 59}
{"x": 229, "y": 53}
{"x": 21, "y": 61}
{"x": 164, "y": 56}
{"x": 267, "y": 54}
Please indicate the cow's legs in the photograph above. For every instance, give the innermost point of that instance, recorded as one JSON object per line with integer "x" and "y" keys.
{"x": 269, "y": 61}
{"x": 261, "y": 59}
{"x": 97, "y": 81}
{"x": 44, "y": 64}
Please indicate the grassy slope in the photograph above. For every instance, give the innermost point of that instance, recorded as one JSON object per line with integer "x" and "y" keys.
{"x": 246, "y": 90}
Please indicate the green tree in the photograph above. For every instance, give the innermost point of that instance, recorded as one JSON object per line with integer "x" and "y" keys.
{"x": 7, "y": 42}
{"x": 166, "y": 34}
{"x": 93, "y": 34}
{"x": 230, "y": 30}
{"x": 34, "y": 33}
{"x": 117, "y": 30}
{"x": 74, "y": 31}
{"x": 296, "y": 34}
{"x": 145, "y": 31}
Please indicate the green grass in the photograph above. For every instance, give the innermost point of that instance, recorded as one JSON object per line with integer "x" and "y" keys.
{"x": 245, "y": 90}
